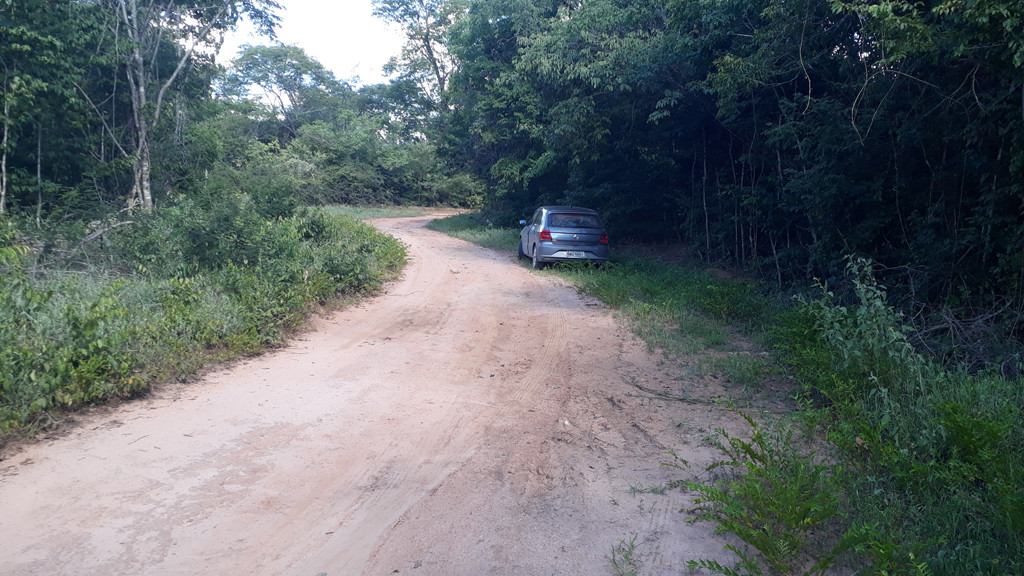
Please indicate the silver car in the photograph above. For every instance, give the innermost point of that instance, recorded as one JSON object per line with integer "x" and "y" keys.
{"x": 563, "y": 234}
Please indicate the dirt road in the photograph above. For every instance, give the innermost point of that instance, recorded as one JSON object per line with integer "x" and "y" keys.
{"x": 477, "y": 418}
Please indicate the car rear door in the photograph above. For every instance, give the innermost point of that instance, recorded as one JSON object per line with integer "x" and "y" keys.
{"x": 575, "y": 228}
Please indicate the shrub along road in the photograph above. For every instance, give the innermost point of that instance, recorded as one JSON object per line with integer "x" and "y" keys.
{"x": 476, "y": 418}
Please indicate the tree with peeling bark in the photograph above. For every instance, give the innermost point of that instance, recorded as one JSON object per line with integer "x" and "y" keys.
{"x": 425, "y": 58}
{"x": 144, "y": 31}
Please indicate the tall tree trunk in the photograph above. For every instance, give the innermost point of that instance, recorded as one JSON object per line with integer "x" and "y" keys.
{"x": 704, "y": 200}
{"x": 140, "y": 73}
{"x": 39, "y": 174}
{"x": 140, "y": 193}
{"x": 3, "y": 154}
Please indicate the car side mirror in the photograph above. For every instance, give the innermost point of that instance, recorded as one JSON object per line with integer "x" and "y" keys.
{"x": 522, "y": 222}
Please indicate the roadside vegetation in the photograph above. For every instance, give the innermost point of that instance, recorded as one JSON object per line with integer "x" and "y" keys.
{"x": 185, "y": 286}
{"x": 379, "y": 211}
{"x": 152, "y": 194}
{"x": 474, "y": 227}
{"x": 886, "y": 461}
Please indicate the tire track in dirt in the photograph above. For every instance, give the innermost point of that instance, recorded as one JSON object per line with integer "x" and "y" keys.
{"x": 480, "y": 303}
{"x": 552, "y": 349}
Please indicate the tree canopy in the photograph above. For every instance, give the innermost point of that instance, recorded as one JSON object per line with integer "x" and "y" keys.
{"x": 775, "y": 136}
{"x": 778, "y": 136}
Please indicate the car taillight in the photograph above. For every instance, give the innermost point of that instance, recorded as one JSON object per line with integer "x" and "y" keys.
{"x": 545, "y": 235}
{"x": 604, "y": 238}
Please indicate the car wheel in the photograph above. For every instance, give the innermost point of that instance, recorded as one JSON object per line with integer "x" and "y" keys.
{"x": 537, "y": 264}
{"x": 519, "y": 249}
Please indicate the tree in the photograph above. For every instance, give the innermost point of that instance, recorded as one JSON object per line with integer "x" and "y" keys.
{"x": 299, "y": 88}
{"x": 426, "y": 58}
{"x": 20, "y": 88}
{"x": 159, "y": 40}
{"x": 38, "y": 69}
{"x": 495, "y": 127}
{"x": 402, "y": 103}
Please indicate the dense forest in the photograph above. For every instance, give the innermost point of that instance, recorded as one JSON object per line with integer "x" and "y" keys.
{"x": 776, "y": 136}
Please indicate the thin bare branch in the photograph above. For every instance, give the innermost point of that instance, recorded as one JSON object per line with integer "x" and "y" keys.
{"x": 99, "y": 114}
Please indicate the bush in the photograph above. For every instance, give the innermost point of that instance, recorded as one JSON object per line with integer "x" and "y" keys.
{"x": 185, "y": 286}
{"x": 777, "y": 500}
{"x": 938, "y": 450}
{"x": 59, "y": 351}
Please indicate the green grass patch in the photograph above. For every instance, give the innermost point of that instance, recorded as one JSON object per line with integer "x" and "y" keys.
{"x": 674, "y": 309}
{"x": 477, "y": 229}
{"x": 744, "y": 370}
{"x": 382, "y": 211}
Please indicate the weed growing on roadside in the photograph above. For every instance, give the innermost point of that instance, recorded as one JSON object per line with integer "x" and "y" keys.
{"x": 59, "y": 347}
{"x": 934, "y": 453}
{"x": 639, "y": 488}
{"x": 624, "y": 559}
{"x": 777, "y": 500}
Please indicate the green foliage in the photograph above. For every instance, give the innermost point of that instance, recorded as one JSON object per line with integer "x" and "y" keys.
{"x": 776, "y": 500}
{"x": 10, "y": 251}
{"x": 937, "y": 450}
{"x": 476, "y": 228}
{"x": 425, "y": 59}
{"x": 202, "y": 286}
{"x": 294, "y": 83}
{"x": 43, "y": 55}
{"x": 777, "y": 136}
{"x": 186, "y": 236}
{"x": 56, "y": 352}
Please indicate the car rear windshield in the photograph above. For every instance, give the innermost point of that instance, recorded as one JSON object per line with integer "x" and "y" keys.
{"x": 574, "y": 221}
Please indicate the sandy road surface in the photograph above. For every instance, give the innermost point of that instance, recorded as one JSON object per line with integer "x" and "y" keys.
{"x": 475, "y": 419}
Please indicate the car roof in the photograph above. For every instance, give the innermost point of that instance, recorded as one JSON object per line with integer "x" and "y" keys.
{"x": 572, "y": 209}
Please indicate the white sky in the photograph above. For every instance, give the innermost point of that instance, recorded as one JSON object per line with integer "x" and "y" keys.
{"x": 343, "y": 35}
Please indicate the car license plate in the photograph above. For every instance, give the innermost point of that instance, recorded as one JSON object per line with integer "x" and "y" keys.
{"x": 575, "y": 254}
